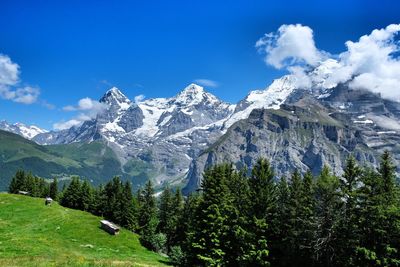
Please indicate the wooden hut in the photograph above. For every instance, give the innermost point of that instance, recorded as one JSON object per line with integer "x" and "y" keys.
{"x": 109, "y": 227}
{"x": 48, "y": 201}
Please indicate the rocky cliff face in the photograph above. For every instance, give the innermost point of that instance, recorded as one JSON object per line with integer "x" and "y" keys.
{"x": 308, "y": 133}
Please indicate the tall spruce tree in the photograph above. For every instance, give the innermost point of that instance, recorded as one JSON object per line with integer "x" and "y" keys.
{"x": 211, "y": 238}
{"x": 54, "y": 189}
{"x": 72, "y": 196}
{"x": 348, "y": 224}
{"x": 328, "y": 207}
{"x": 127, "y": 208}
{"x": 294, "y": 220}
{"x": 280, "y": 249}
{"x": 147, "y": 217}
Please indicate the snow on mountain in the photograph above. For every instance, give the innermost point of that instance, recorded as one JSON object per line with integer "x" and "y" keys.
{"x": 272, "y": 97}
{"x": 25, "y": 131}
{"x": 166, "y": 134}
{"x": 114, "y": 97}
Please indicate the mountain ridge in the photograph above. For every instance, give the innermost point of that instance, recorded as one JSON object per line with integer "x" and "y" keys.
{"x": 171, "y": 135}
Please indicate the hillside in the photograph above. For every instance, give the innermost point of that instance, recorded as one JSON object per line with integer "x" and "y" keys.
{"x": 94, "y": 160}
{"x": 32, "y": 234}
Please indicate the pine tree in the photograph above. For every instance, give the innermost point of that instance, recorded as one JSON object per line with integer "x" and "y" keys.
{"x": 72, "y": 196}
{"x": 29, "y": 185}
{"x": 294, "y": 219}
{"x": 328, "y": 207}
{"x": 280, "y": 248}
{"x": 387, "y": 174}
{"x": 214, "y": 210}
{"x": 348, "y": 230}
{"x": 54, "y": 189}
{"x": 147, "y": 216}
{"x": 263, "y": 190}
{"x": 113, "y": 198}
{"x": 19, "y": 182}
{"x": 86, "y": 196}
{"x": 307, "y": 220}
{"x": 170, "y": 210}
{"x": 128, "y": 208}
{"x": 13, "y": 187}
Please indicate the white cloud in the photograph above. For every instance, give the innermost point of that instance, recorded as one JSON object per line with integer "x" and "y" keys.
{"x": 206, "y": 82}
{"x": 9, "y": 71}
{"x": 88, "y": 108}
{"x": 26, "y": 95}
{"x": 139, "y": 98}
{"x": 371, "y": 63}
{"x": 66, "y": 124}
{"x": 86, "y": 104}
{"x": 9, "y": 79}
{"x": 290, "y": 45}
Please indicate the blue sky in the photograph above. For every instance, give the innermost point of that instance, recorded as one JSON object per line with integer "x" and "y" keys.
{"x": 76, "y": 49}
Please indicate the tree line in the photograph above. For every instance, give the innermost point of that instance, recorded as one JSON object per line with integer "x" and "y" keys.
{"x": 249, "y": 218}
{"x": 33, "y": 185}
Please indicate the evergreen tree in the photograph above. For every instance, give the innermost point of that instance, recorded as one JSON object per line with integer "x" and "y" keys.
{"x": 294, "y": 219}
{"x": 380, "y": 217}
{"x": 328, "y": 209}
{"x": 348, "y": 230}
{"x": 54, "y": 189}
{"x": 209, "y": 238}
{"x": 280, "y": 248}
{"x": 387, "y": 174}
{"x": 18, "y": 182}
{"x": 170, "y": 210}
{"x": 127, "y": 208}
{"x": 86, "y": 196}
{"x": 13, "y": 187}
{"x": 147, "y": 216}
{"x": 263, "y": 213}
{"x": 72, "y": 196}
{"x": 307, "y": 220}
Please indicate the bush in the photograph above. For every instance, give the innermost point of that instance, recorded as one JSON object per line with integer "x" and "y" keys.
{"x": 158, "y": 242}
{"x": 177, "y": 256}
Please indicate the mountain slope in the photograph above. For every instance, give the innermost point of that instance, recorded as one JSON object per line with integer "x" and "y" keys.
{"x": 308, "y": 133}
{"x": 32, "y": 234}
{"x": 95, "y": 161}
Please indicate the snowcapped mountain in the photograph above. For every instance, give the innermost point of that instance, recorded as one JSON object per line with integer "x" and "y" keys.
{"x": 26, "y": 131}
{"x": 159, "y": 138}
{"x": 162, "y": 134}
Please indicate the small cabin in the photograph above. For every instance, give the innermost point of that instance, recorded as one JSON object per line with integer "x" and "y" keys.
{"x": 25, "y": 193}
{"x": 48, "y": 201}
{"x": 109, "y": 227}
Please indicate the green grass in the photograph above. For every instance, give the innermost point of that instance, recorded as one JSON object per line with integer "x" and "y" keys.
{"x": 32, "y": 234}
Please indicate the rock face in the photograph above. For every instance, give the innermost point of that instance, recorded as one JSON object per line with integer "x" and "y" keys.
{"x": 307, "y": 133}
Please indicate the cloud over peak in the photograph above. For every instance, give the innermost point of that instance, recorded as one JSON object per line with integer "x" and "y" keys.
{"x": 88, "y": 109}
{"x": 371, "y": 63}
{"x": 291, "y": 45}
{"x": 206, "y": 82}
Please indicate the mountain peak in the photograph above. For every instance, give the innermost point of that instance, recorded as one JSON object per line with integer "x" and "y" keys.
{"x": 194, "y": 94}
{"x": 115, "y": 97}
